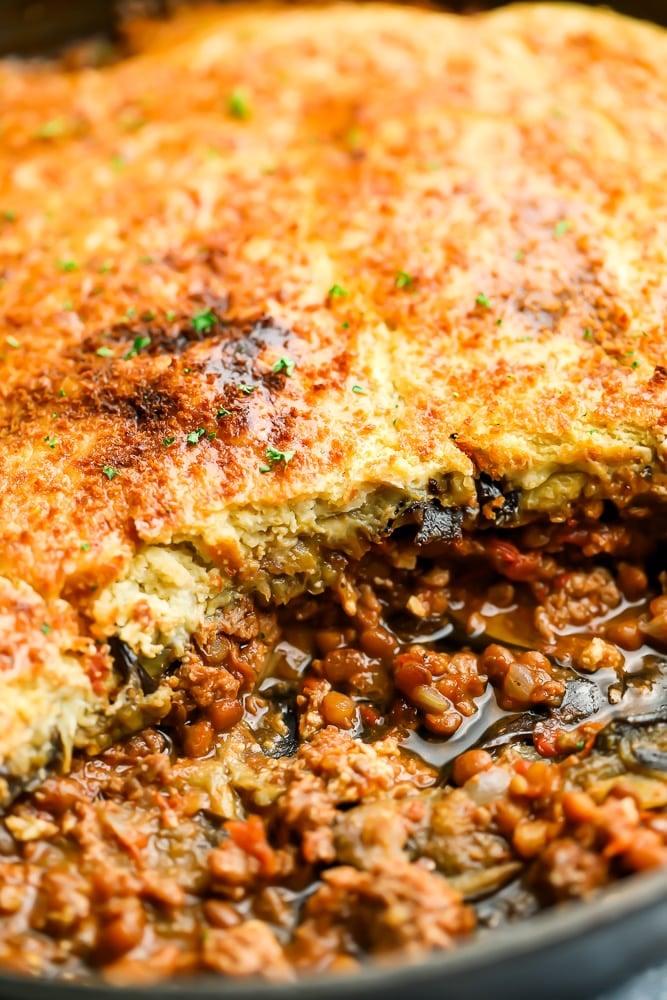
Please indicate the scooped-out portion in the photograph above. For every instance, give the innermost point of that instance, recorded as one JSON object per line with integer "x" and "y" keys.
{"x": 448, "y": 739}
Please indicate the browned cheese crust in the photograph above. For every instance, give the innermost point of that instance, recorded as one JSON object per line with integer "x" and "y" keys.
{"x": 395, "y": 248}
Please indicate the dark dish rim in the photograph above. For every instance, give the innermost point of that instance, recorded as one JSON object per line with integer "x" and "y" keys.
{"x": 541, "y": 933}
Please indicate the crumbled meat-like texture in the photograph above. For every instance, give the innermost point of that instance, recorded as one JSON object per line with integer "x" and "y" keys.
{"x": 260, "y": 834}
{"x": 249, "y": 949}
{"x": 395, "y": 906}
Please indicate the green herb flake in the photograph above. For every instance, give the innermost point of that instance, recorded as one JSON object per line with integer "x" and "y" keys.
{"x": 8, "y": 216}
{"x": 238, "y": 104}
{"x": 286, "y": 365}
{"x": 130, "y": 313}
{"x": 588, "y": 334}
{"x": 110, "y": 472}
{"x": 138, "y": 345}
{"x": 203, "y": 321}
{"x": 246, "y": 389}
{"x": 85, "y": 546}
{"x": 337, "y": 292}
{"x": 104, "y": 352}
{"x": 62, "y": 393}
{"x": 403, "y": 280}
{"x": 171, "y": 316}
{"x": 483, "y": 301}
{"x": 222, "y": 412}
{"x": 54, "y": 416}
{"x": 194, "y": 437}
{"x": 275, "y": 456}
{"x": 51, "y": 441}
{"x": 52, "y": 129}
{"x": 499, "y": 322}
{"x": 46, "y": 628}
{"x": 105, "y": 268}
{"x": 67, "y": 265}
{"x": 519, "y": 255}
{"x": 359, "y": 390}
{"x": 562, "y": 226}
{"x": 13, "y": 342}
{"x": 635, "y": 364}
{"x": 168, "y": 441}
{"x": 580, "y": 744}
{"x": 212, "y": 435}
{"x": 118, "y": 162}
{"x": 345, "y": 325}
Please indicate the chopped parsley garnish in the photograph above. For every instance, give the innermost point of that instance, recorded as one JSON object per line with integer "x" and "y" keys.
{"x": 105, "y": 268}
{"x": 212, "y": 435}
{"x": 46, "y": 628}
{"x": 635, "y": 364}
{"x": 148, "y": 316}
{"x": 519, "y": 254}
{"x": 67, "y": 265}
{"x": 146, "y": 259}
{"x": 499, "y": 322}
{"x": 130, "y": 313}
{"x": 168, "y": 441}
{"x": 482, "y": 300}
{"x": 52, "y": 129}
{"x": 403, "y": 280}
{"x": 345, "y": 325}
{"x": 238, "y": 104}
{"x": 194, "y": 437}
{"x": 286, "y": 365}
{"x": 8, "y": 216}
{"x": 588, "y": 334}
{"x": 562, "y": 226}
{"x": 51, "y": 441}
{"x": 110, "y": 472}
{"x": 171, "y": 316}
{"x": 203, "y": 321}
{"x": 246, "y": 389}
{"x": 13, "y": 342}
{"x": 62, "y": 393}
{"x": 117, "y": 162}
{"x": 104, "y": 352}
{"x": 275, "y": 456}
{"x": 85, "y": 546}
{"x": 337, "y": 292}
{"x": 359, "y": 390}
{"x": 138, "y": 345}
{"x": 222, "y": 412}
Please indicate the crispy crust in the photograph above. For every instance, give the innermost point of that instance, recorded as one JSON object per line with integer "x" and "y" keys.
{"x": 510, "y": 167}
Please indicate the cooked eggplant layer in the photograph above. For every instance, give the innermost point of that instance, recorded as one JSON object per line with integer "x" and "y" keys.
{"x": 358, "y": 264}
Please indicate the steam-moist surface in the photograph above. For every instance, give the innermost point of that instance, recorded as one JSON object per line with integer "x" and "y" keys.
{"x": 486, "y": 195}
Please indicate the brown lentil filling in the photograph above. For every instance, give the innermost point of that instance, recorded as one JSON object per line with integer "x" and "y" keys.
{"x": 450, "y": 739}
